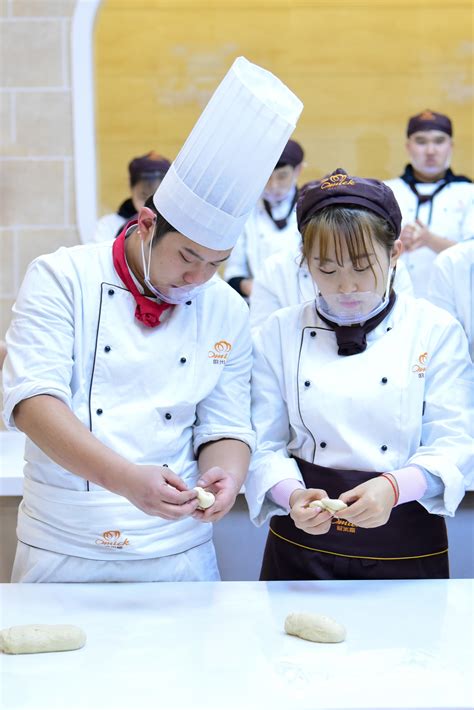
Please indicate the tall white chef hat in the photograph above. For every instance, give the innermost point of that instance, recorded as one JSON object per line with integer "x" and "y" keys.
{"x": 221, "y": 171}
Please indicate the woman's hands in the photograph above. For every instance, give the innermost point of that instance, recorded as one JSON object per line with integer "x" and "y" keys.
{"x": 370, "y": 503}
{"x": 369, "y": 506}
{"x": 311, "y": 520}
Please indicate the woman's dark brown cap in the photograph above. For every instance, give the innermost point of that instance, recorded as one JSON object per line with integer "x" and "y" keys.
{"x": 339, "y": 188}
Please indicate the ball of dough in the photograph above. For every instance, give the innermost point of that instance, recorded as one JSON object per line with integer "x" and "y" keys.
{"x": 314, "y": 627}
{"x": 333, "y": 505}
{"x": 205, "y": 498}
{"x": 41, "y": 638}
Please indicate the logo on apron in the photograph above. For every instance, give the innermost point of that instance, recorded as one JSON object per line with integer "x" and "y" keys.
{"x": 344, "y": 525}
{"x": 113, "y": 539}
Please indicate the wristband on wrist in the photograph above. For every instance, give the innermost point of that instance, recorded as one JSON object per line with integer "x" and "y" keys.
{"x": 393, "y": 482}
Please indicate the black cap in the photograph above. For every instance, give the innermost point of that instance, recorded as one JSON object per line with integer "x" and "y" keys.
{"x": 429, "y": 121}
{"x": 293, "y": 155}
{"x": 339, "y": 188}
{"x": 148, "y": 167}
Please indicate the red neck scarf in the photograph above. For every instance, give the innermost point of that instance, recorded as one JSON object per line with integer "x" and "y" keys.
{"x": 147, "y": 312}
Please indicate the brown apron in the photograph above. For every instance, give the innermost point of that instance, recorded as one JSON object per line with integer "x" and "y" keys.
{"x": 413, "y": 543}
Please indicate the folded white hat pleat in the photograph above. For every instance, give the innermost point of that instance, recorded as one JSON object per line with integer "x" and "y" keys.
{"x": 221, "y": 170}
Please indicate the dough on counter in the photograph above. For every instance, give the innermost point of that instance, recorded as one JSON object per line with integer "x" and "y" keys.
{"x": 333, "y": 505}
{"x": 41, "y": 638}
{"x": 205, "y": 498}
{"x": 314, "y": 627}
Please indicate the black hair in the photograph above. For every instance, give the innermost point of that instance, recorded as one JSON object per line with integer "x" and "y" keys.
{"x": 162, "y": 227}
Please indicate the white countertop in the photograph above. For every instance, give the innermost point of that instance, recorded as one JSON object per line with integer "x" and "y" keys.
{"x": 221, "y": 646}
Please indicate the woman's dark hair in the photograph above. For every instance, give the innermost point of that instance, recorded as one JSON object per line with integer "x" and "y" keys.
{"x": 162, "y": 227}
{"x": 355, "y": 227}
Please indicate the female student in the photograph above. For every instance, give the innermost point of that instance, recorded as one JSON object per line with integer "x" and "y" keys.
{"x": 362, "y": 395}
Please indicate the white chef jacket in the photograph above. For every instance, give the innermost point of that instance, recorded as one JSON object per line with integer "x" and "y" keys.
{"x": 153, "y": 395}
{"x": 452, "y": 217}
{"x": 366, "y": 412}
{"x": 285, "y": 281}
{"x": 260, "y": 239}
{"x": 107, "y": 227}
{"x": 451, "y": 285}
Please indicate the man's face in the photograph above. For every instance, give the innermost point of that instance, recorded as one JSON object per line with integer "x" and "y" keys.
{"x": 177, "y": 262}
{"x": 281, "y": 181}
{"x": 430, "y": 153}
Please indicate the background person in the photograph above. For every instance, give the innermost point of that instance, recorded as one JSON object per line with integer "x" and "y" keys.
{"x": 145, "y": 174}
{"x": 272, "y": 224}
{"x": 364, "y": 396}
{"x": 451, "y": 285}
{"x": 437, "y": 205}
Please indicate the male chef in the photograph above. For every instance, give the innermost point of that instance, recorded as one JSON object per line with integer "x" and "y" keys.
{"x": 437, "y": 206}
{"x": 129, "y": 362}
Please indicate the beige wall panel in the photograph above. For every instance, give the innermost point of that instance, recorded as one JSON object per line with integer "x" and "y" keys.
{"x": 7, "y": 264}
{"x": 31, "y": 53}
{"x": 32, "y": 192}
{"x": 361, "y": 69}
{"x": 43, "y": 124}
{"x": 5, "y": 122}
{"x": 33, "y": 243}
{"x": 42, "y": 8}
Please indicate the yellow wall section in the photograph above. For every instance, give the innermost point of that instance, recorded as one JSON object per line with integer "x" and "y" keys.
{"x": 361, "y": 68}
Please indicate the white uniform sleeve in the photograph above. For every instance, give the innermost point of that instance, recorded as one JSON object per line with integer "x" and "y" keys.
{"x": 271, "y": 462}
{"x": 237, "y": 265}
{"x": 107, "y": 228}
{"x": 467, "y": 228}
{"x": 40, "y": 339}
{"x": 263, "y": 300}
{"x": 447, "y": 444}
{"x": 441, "y": 288}
{"x": 225, "y": 412}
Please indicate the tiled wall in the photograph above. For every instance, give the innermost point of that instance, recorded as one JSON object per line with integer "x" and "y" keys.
{"x": 37, "y": 211}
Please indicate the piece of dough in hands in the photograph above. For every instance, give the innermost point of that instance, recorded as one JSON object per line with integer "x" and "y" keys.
{"x": 205, "y": 498}
{"x": 333, "y": 505}
{"x": 41, "y": 638}
{"x": 314, "y": 627}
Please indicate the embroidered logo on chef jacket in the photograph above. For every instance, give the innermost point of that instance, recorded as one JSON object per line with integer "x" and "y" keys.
{"x": 113, "y": 539}
{"x": 420, "y": 368}
{"x": 336, "y": 180}
{"x": 220, "y": 352}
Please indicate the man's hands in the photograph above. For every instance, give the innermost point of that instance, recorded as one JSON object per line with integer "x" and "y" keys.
{"x": 416, "y": 235}
{"x": 223, "y": 485}
{"x": 156, "y": 490}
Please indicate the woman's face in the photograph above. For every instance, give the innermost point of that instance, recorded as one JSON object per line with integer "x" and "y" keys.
{"x": 369, "y": 273}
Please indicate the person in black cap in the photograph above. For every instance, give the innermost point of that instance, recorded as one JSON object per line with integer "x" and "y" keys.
{"x": 358, "y": 395}
{"x": 145, "y": 174}
{"x": 272, "y": 225}
{"x": 437, "y": 205}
